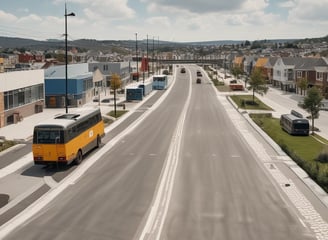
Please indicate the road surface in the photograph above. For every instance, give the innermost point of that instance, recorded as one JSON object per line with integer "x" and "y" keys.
{"x": 219, "y": 189}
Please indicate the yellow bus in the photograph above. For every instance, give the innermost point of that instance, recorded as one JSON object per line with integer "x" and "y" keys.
{"x": 67, "y": 137}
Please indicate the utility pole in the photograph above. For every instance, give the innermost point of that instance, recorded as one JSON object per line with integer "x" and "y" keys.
{"x": 137, "y": 57}
{"x": 66, "y": 58}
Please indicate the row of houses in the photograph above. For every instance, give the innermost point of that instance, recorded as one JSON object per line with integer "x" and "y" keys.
{"x": 24, "y": 93}
{"x": 287, "y": 72}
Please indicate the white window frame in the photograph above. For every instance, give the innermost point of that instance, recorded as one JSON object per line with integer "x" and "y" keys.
{"x": 319, "y": 76}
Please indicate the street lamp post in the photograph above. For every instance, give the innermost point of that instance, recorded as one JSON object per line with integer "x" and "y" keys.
{"x": 153, "y": 58}
{"x": 137, "y": 57}
{"x": 147, "y": 57}
{"x": 66, "y": 58}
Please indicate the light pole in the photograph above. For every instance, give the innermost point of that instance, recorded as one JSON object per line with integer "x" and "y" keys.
{"x": 137, "y": 57}
{"x": 66, "y": 58}
{"x": 147, "y": 57}
{"x": 153, "y": 57}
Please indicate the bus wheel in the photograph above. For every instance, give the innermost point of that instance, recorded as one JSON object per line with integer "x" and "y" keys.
{"x": 79, "y": 157}
{"x": 98, "y": 141}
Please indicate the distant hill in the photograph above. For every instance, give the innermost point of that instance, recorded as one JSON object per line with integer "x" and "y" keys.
{"x": 124, "y": 45}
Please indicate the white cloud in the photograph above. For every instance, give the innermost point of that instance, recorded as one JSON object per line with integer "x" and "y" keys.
{"x": 7, "y": 17}
{"x": 159, "y": 21}
{"x": 30, "y": 18}
{"x": 196, "y": 6}
{"x": 117, "y": 9}
{"x": 287, "y": 4}
{"x": 309, "y": 11}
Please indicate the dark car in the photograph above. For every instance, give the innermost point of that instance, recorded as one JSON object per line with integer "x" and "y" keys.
{"x": 199, "y": 74}
{"x": 183, "y": 70}
{"x": 198, "y": 80}
{"x": 105, "y": 100}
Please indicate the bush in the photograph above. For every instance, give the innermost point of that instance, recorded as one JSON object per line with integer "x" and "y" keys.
{"x": 245, "y": 102}
{"x": 323, "y": 156}
{"x": 322, "y": 176}
{"x": 4, "y": 144}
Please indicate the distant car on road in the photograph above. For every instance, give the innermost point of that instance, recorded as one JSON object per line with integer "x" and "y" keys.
{"x": 105, "y": 100}
{"x": 199, "y": 74}
{"x": 183, "y": 70}
{"x": 198, "y": 80}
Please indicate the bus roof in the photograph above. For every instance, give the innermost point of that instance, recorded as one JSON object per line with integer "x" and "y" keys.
{"x": 66, "y": 119}
{"x": 293, "y": 117}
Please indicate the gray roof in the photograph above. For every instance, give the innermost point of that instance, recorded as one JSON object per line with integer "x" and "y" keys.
{"x": 304, "y": 63}
{"x": 74, "y": 71}
{"x": 271, "y": 62}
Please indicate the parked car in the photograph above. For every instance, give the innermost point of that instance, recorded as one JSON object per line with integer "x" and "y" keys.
{"x": 105, "y": 100}
{"x": 95, "y": 99}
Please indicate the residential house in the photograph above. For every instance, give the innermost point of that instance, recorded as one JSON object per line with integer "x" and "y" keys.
{"x": 283, "y": 73}
{"x": 238, "y": 62}
{"x": 9, "y": 61}
{"x": 260, "y": 66}
{"x": 315, "y": 71}
{"x": 28, "y": 57}
{"x": 269, "y": 68}
{"x": 288, "y": 72}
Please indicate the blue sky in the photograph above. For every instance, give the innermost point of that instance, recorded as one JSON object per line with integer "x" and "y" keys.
{"x": 171, "y": 20}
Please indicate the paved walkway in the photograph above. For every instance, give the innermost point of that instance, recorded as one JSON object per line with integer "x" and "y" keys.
{"x": 23, "y": 130}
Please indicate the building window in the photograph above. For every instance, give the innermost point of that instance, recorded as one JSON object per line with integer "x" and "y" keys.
{"x": 22, "y": 96}
{"x": 319, "y": 76}
{"x": 299, "y": 74}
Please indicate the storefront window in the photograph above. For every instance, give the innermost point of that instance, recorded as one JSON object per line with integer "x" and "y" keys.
{"x": 22, "y": 96}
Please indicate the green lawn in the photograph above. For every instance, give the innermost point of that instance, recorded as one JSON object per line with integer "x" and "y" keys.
{"x": 304, "y": 150}
{"x": 305, "y": 146}
{"x": 246, "y": 102}
{"x": 6, "y": 144}
{"x": 119, "y": 113}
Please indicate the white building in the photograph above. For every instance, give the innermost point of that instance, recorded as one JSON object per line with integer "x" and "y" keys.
{"x": 21, "y": 95}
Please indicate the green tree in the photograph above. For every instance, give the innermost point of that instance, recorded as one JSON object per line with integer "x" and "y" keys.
{"x": 115, "y": 83}
{"x": 257, "y": 83}
{"x": 236, "y": 71}
{"x": 247, "y": 43}
{"x": 312, "y": 103}
{"x": 303, "y": 84}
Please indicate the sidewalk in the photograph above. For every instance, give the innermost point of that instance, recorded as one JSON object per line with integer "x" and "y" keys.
{"x": 23, "y": 131}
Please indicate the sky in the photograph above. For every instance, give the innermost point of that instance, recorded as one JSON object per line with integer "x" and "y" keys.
{"x": 168, "y": 20}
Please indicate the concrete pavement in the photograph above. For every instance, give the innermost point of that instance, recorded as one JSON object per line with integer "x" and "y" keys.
{"x": 23, "y": 131}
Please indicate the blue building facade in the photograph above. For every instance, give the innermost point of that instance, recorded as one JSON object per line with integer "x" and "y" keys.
{"x": 79, "y": 85}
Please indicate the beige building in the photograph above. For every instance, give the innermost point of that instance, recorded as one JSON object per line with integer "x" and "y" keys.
{"x": 21, "y": 95}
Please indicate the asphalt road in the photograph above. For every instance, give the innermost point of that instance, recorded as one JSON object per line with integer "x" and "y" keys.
{"x": 219, "y": 191}
{"x": 112, "y": 198}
